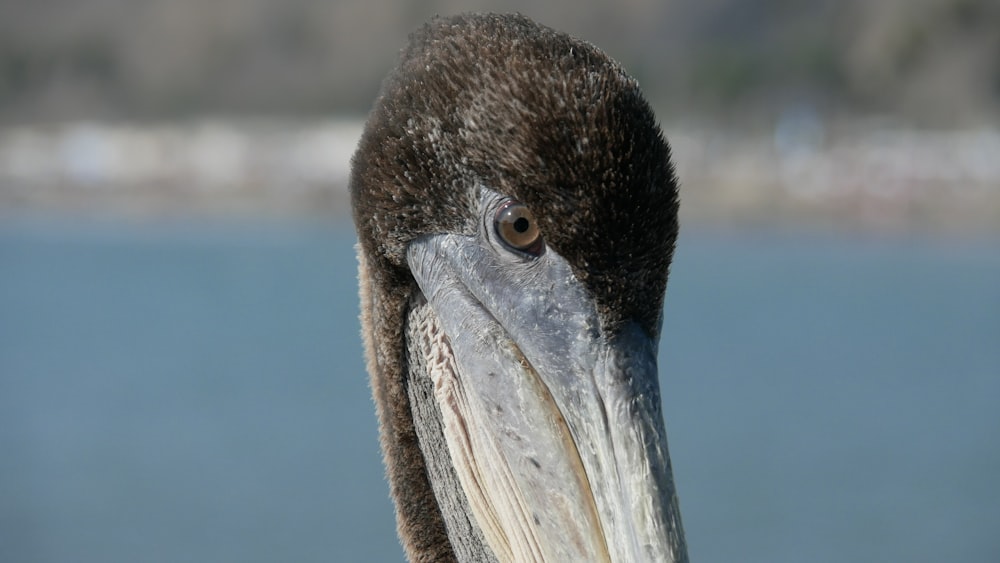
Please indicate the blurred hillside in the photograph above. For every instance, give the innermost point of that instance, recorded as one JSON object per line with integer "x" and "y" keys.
{"x": 880, "y": 115}
{"x": 928, "y": 62}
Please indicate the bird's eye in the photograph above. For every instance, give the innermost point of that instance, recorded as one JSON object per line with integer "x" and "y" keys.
{"x": 517, "y": 228}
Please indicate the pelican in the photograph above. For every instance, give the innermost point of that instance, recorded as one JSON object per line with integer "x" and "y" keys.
{"x": 516, "y": 212}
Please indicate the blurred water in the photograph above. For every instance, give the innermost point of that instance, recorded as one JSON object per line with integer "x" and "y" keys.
{"x": 193, "y": 391}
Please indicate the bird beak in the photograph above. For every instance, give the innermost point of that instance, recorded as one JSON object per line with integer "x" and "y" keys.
{"x": 554, "y": 426}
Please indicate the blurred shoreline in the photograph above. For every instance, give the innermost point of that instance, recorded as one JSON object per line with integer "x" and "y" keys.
{"x": 855, "y": 174}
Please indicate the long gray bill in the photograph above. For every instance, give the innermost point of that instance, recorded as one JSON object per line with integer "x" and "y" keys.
{"x": 554, "y": 427}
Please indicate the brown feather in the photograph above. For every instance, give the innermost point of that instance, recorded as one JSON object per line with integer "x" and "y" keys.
{"x": 502, "y": 102}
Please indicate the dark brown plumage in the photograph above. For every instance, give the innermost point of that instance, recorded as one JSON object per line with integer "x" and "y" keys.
{"x": 530, "y": 113}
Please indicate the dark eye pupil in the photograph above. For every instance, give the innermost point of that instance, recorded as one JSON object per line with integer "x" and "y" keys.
{"x": 521, "y": 224}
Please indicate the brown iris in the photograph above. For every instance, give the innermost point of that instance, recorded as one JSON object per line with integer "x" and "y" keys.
{"x": 517, "y": 228}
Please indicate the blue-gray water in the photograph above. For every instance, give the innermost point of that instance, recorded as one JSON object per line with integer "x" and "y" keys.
{"x": 190, "y": 392}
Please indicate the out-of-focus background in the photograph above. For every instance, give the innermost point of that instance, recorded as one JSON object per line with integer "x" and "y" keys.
{"x": 180, "y": 368}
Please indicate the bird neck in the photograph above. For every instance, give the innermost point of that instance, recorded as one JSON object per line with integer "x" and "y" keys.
{"x": 418, "y": 519}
